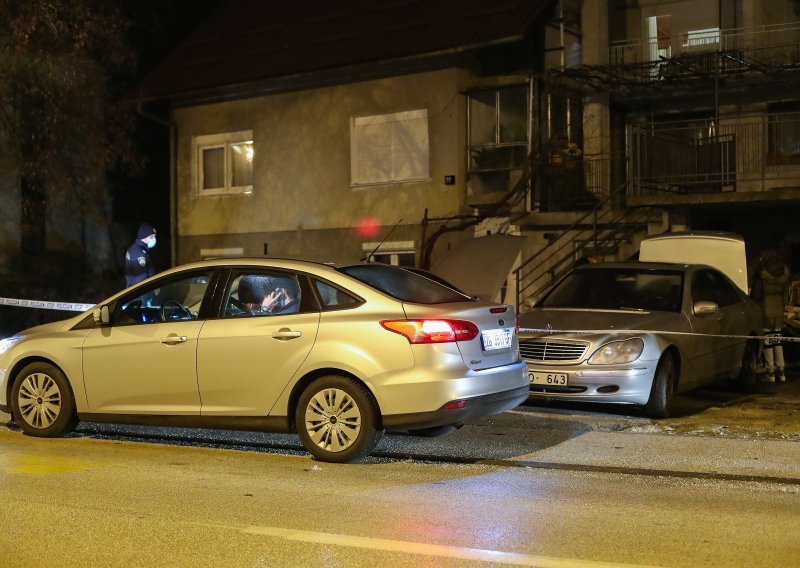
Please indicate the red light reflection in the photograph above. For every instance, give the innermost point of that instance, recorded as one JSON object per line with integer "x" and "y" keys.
{"x": 367, "y": 227}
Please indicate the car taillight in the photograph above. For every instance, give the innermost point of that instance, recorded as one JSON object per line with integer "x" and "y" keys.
{"x": 433, "y": 330}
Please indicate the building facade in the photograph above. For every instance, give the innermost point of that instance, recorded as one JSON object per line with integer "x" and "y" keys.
{"x": 361, "y": 123}
{"x": 581, "y": 125}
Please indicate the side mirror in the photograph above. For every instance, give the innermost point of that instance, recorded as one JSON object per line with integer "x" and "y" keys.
{"x": 705, "y": 308}
{"x": 101, "y": 315}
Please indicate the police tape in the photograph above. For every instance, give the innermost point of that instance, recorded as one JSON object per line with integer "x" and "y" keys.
{"x": 770, "y": 337}
{"x": 45, "y": 305}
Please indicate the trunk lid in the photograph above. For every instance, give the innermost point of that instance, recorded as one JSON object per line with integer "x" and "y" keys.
{"x": 496, "y": 343}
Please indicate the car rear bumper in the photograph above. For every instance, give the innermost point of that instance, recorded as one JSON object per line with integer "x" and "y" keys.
{"x": 474, "y": 408}
{"x": 429, "y": 385}
{"x": 618, "y": 384}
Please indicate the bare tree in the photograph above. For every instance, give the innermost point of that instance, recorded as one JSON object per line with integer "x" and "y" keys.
{"x": 61, "y": 126}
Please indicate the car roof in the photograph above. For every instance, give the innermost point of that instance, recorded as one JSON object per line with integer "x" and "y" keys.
{"x": 286, "y": 263}
{"x": 253, "y": 261}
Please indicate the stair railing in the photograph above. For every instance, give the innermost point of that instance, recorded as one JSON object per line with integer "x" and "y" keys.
{"x": 555, "y": 247}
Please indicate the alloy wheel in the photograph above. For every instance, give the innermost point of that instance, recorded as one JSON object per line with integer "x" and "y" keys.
{"x": 333, "y": 420}
{"x": 39, "y": 400}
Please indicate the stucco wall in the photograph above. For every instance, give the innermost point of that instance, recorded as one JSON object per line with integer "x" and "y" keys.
{"x": 302, "y": 164}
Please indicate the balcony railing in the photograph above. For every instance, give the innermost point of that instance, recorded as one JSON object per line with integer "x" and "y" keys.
{"x": 708, "y": 51}
{"x": 572, "y": 184}
{"x": 740, "y": 154}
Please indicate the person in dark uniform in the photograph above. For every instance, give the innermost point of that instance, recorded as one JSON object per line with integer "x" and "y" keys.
{"x": 138, "y": 264}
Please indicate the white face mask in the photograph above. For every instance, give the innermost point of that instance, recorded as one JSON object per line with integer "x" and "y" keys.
{"x": 150, "y": 241}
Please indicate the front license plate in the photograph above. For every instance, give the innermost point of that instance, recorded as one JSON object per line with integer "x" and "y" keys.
{"x": 552, "y": 379}
{"x": 496, "y": 339}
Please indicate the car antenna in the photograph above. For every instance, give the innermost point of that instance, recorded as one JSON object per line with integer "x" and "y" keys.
{"x": 368, "y": 258}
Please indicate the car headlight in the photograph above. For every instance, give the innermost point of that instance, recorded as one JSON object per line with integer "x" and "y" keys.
{"x": 617, "y": 352}
{"x": 8, "y": 343}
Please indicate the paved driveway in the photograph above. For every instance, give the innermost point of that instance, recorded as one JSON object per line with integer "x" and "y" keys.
{"x": 767, "y": 412}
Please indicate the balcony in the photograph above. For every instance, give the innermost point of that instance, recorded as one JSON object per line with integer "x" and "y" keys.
{"x": 706, "y": 52}
{"x": 572, "y": 184}
{"x": 743, "y": 159}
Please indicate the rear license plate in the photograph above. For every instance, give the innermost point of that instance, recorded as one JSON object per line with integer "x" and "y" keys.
{"x": 494, "y": 339}
{"x": 553, "y": 379}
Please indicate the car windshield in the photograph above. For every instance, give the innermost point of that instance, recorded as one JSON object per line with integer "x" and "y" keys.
{"x": 618, "y": 289}
{"x": 403, "y": 285}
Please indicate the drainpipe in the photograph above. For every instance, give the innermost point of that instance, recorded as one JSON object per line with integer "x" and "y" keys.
{"x": 173, "y": 179}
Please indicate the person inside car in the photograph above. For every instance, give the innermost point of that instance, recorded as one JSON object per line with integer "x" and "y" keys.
{"x": 251, "y": 294}
{"x": 288, "y": 301}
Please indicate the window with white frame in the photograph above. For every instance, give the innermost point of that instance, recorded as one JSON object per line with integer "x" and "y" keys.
{"x": 389, "y": 148}
{"x": 223, "y": 163}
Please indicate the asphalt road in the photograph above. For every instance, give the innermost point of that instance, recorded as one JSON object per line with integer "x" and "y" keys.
{"x": 555, "y": 486}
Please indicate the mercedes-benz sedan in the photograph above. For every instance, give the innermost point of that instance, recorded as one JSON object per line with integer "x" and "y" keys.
{"x": 637, "y": 333}
{"x": 337, "y": 354}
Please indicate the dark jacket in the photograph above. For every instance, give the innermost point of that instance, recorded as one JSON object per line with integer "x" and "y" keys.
{"x": 138, "y": 264}
{"x": 771, "y": 290}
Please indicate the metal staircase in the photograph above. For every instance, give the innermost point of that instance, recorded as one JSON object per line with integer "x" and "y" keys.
{"x": 604, "y": 230}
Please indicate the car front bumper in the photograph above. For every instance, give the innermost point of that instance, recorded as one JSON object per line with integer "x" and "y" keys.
{"x": 622, "y": 384}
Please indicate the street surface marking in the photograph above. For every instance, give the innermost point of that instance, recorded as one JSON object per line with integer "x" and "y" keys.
{"x": 438, "y": 550}
{"x": 42, "y": 465}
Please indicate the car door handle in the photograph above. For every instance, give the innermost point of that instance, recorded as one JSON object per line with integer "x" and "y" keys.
{"x": 284, "y": 334}
{"x": 173, "y": 339}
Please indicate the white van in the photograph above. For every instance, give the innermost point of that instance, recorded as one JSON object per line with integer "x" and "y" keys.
{"x": 723, "y": 251}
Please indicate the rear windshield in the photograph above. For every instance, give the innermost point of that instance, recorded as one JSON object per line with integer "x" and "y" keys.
{"x": 618, "y": 289}
{"x": 403, "y": 285}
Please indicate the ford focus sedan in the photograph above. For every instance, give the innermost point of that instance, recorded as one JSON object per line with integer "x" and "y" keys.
{"x": 336, "y": 354}
{"x": 636, "y": 333}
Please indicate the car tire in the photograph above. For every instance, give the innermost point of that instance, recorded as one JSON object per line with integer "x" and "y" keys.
{"x": 435, "y": 431}
{"x": 749, "y": 370}
{"x": 337, "y": 419}
{"x": 663, "y": 388}
{"x": 42, "y": 402}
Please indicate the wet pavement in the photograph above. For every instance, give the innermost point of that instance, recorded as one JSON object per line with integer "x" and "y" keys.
{"x": 556, "y": 484}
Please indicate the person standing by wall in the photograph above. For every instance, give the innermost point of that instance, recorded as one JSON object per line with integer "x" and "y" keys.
{"x": 771, "y": 290}
{"x": 138, "y": 264}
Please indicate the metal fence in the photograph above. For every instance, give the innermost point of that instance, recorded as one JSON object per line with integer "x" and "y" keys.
{"x": 579, "y": 185}
{"x": 726, "y": 50}
{"x": 739, "y": 154}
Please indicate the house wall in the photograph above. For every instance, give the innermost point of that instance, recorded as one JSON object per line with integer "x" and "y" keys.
{"x": 302, "y": 203}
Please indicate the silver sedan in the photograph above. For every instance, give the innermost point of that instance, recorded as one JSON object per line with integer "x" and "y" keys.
{"x": 636, "y": 333}
{"x": 336, "y": 354}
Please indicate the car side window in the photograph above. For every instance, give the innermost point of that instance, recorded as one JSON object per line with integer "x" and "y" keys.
{"x": 702, "y": 287}
{"x": 171, "y": 299}
{"x": 333, "y": 297}
{"x": 263, "y": 293}
{"x": 723, "y": 290}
